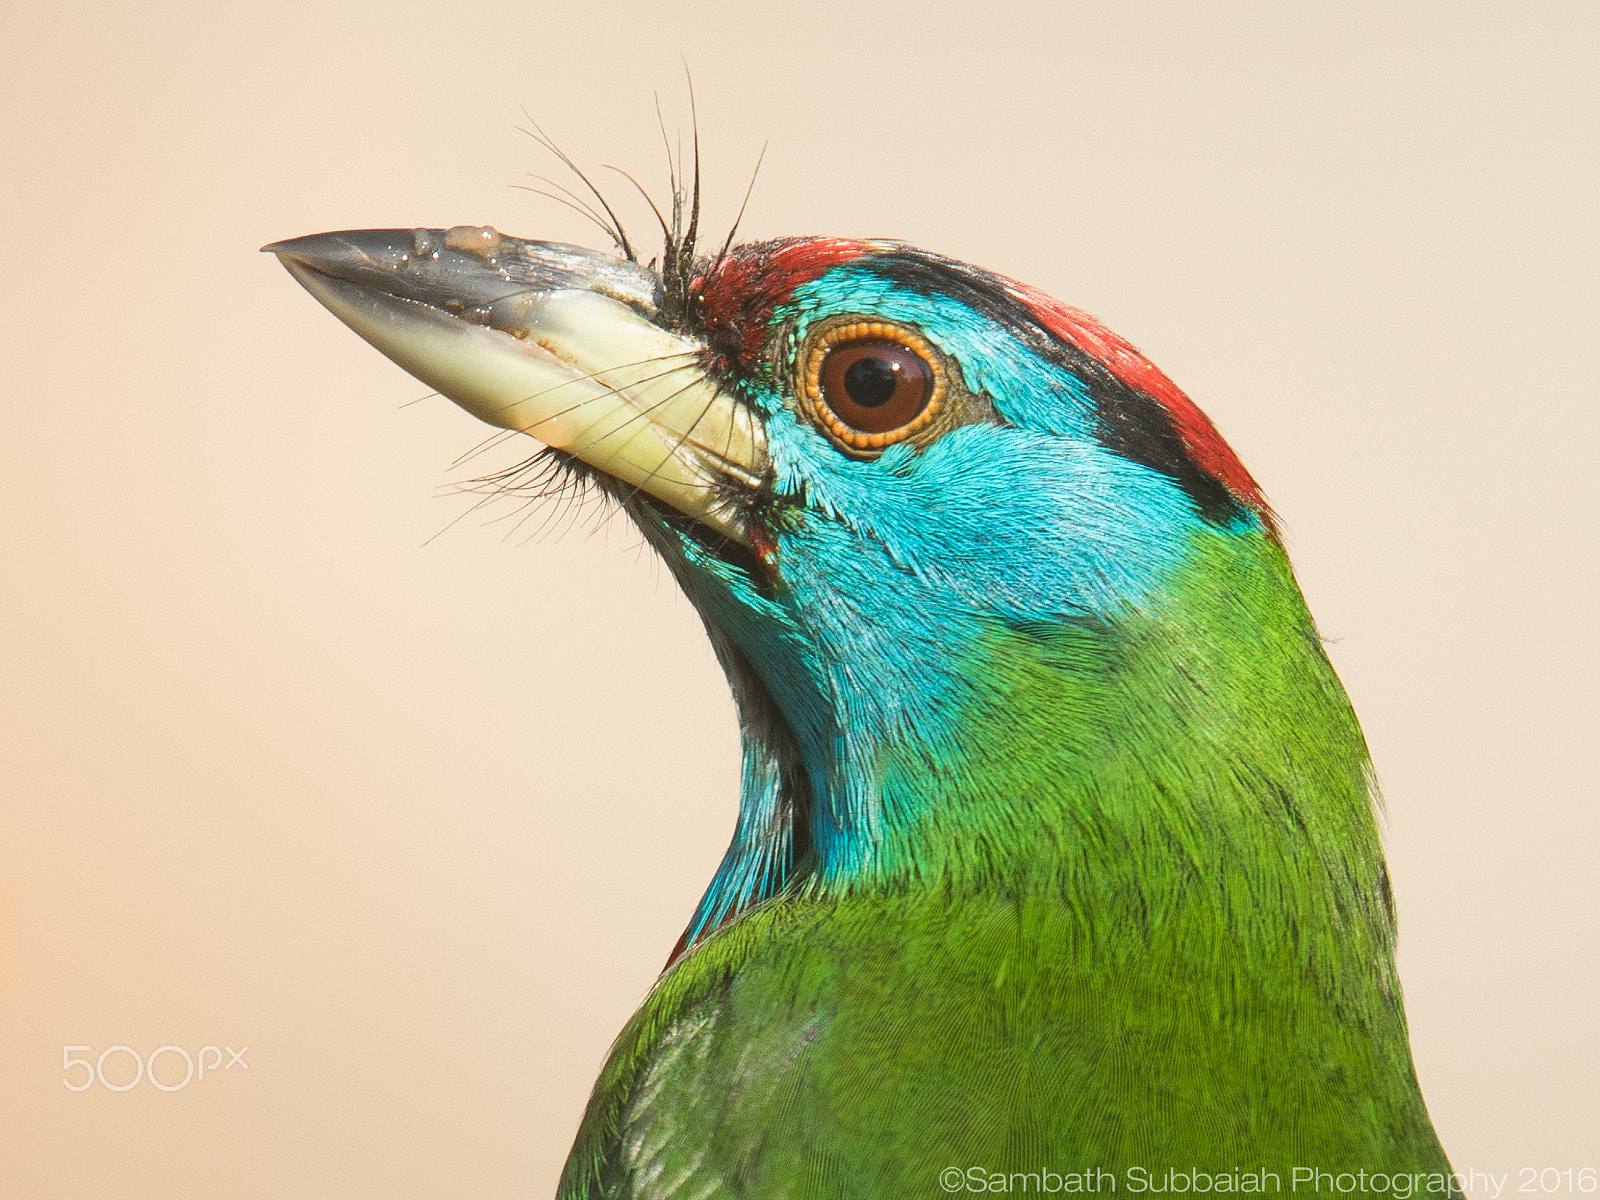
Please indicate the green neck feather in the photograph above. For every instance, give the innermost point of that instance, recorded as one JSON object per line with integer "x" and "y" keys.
{"x": 1193, "y": 777}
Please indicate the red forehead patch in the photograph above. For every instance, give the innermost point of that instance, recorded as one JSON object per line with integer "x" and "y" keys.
{"x": 738, "y": 299}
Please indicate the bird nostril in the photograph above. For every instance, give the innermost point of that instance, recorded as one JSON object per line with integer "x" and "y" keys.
{"x": 480, "y": 241}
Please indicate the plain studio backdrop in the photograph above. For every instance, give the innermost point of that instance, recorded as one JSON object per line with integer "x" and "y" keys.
{"x": 415, "y": 810}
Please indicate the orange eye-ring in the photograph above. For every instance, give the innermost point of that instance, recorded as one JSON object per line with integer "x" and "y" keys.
{"x": 872, "y": 384}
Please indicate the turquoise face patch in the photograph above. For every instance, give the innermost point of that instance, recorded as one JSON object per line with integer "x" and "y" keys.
{"x": 889, "y": 574}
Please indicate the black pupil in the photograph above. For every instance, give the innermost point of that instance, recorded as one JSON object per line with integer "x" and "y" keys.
{"x": 870, "y": 382}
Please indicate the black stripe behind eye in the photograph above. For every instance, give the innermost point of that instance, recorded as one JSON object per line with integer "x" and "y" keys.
{"x": 1128, "y": 422}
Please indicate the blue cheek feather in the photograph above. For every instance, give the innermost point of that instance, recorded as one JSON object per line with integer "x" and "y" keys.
{"x": 1084, "y": 530}
{"x": 889, "y": 573}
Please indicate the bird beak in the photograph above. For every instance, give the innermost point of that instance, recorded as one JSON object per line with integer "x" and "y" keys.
{"x": 554, "y": 341}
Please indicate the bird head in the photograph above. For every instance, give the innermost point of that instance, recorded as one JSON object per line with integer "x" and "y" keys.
{"x": 980, "y": 575}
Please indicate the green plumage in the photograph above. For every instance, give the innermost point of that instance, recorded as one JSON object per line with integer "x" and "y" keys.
{"x": 1145, "y": 925}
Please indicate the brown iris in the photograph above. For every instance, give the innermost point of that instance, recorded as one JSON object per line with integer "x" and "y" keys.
{"x": 871, "y": 384}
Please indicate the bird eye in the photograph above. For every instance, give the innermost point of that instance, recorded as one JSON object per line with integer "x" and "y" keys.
{"x": 871, "y": 384}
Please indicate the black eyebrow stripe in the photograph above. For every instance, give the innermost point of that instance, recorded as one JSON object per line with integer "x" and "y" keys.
{"x": 1128, "y": 422}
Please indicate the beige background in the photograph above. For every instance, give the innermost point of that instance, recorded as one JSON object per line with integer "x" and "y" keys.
{"x": 417, "y": 818}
